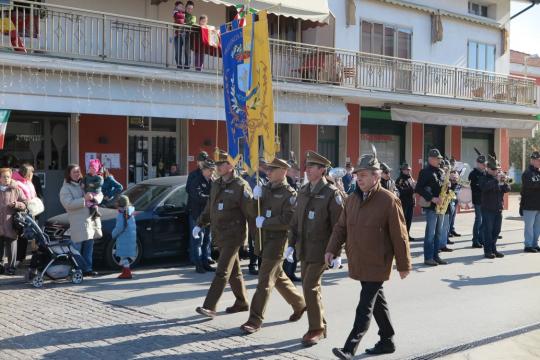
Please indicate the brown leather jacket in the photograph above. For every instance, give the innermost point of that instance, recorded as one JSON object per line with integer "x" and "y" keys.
{"x": 227, "y": 211}
{"x": 316, "y": 214}
{"x": 374, "y": 232}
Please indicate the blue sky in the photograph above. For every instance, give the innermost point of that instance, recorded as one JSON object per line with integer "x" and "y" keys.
{"x": 525, "y": 29}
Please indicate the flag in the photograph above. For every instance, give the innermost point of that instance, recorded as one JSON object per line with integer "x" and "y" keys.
{"x": 247, "y": 86}
{"x": 4, "y": 116}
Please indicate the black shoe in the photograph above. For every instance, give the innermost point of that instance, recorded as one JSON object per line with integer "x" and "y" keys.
{"x": 477, "y": 246}
{"x": 453, "y": 233}
{"x": 411, "y": 239}
{"x": 499, "y": 254}
{"x": 530, "y": 250}
{"x": 499, "y": 237}
{"x": 342, "y": 354}
{"x": 90, "y": 273}
{"x": 446, "y": 249}
{"x": 440, "y": 261}
{"x": 211, "y": 262}
{"x": 489, "y": 256}
{"x": 382, "y": 347}
{"x": 2, "y": 270}
{"x": 253, "y": 271}
{"x": 450, "y": 242}
{"x": 430, "y": 263}
{"x": 10, "y": 271}
{"x": 450, "y": 235}
{"x": 537, "y": 248}
{"x": 200, "y": 269}
{"x": 209, "y": 268}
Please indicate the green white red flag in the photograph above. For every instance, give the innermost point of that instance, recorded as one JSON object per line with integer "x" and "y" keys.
{"x": 4, "y": 116}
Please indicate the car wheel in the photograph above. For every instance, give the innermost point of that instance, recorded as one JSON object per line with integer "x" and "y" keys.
{"x": 112, "y": 261}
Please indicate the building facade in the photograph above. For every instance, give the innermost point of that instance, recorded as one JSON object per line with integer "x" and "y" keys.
{"x": 87, "y": 79}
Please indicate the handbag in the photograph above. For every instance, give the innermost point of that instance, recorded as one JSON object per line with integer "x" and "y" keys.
{"x": 35, "y": 206}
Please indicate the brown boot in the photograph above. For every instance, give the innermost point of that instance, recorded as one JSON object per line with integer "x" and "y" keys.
{"x": 312, "y": 337}
{"x": 236, "y": 308}
{"x": 206, "y": 312}
{"x": 297, "y": 315}
{"x": 250, "y": 328}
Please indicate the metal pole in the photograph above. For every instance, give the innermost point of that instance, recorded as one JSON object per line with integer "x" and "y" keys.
{"x": 524, "y": 154}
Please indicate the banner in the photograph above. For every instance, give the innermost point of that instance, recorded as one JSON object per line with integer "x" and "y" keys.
{"x": 247, "y": 86}
{"x": 4, "y": 116}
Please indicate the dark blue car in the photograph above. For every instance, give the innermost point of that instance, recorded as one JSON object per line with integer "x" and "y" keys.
{"x": 162, "y": 223}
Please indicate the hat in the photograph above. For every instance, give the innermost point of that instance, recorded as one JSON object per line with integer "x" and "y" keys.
{"x": 293, "y": 164}
{"x": 481, "y": 159}
{"x": 278, "y": 164}
{"x": 222, "y": 157}
{"x": 405, "y": 166}
{"x": 535, "y": 155}
{"x": 208, "y": 164}
{"x": 313, "y": 158}
{"x": 493, "y": 163}
{"x": 203, "y": 155}
{"x": 123, "y": 201}
{"x": 94, "y": 164}
{"x": 368, "y": 161}
{"x": 435, "y": 153}
{"x": 445, "y": 162}
{"x": 385, "y": 167}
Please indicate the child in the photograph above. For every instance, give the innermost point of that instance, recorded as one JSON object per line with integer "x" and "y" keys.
{"x": 179, "y": 17}
{"x": 199, "y": 53}
{"x": 125, "y": 235}
{"x": 92, "y": 183}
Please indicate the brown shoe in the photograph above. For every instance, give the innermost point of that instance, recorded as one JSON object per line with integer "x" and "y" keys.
{"x": 236, "y": 308}
{"x": 250, "y": 328}
{"x": 312, "y": 337}
{"x": 206, "y": 312}
{"x": 297, "y": 315}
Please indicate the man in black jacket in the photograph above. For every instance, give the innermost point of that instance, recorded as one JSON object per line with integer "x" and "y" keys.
{"x": 493, "y": 189}
{"x": 475, "y": 177}
{"x": 386, "y": 180}
{"x": 428, "y": 187}
{"x": 198, "y": 190}
{"x": 405, "y": 185}
{"x": 530, "y": 203}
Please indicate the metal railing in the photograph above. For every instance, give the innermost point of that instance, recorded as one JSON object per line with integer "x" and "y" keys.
{"x": 53, "y": 30}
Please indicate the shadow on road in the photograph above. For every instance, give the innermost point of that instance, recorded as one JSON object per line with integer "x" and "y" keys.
{"x": 464, "y": 280}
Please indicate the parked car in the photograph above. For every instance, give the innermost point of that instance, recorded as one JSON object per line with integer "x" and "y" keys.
{"x": 162, "y": 223}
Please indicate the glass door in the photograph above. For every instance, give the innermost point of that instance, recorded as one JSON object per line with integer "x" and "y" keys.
{"x": 328, "y": 143}
{"x": 138, "y": 158}
{"x": 433, "y": 139}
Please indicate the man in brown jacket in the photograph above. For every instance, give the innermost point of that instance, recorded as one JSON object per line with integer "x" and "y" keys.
{"x": 278, "y": 200}
{"x": 227, "y": 212}
{"x": 318, "y": 209}
{"x": 373, "y": 229}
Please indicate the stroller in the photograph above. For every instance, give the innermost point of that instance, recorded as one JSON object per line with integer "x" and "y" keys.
{"x": 54, "y": 259}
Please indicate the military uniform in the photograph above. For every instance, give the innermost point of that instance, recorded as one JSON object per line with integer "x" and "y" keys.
{"x": 277, "y": 207}
{"x": 227, "y": 211}
{"x": 318, "y": 209}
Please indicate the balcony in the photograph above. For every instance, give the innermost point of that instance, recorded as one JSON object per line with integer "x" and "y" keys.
{"x": 59, "y": 31}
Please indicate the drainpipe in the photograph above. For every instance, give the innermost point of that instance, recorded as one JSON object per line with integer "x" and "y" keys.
{"x": 533, "y": 2}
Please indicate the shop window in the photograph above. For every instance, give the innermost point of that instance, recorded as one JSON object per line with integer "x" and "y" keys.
{"x": 139, "y": 123}
{"x": 163, "y": 124}
{"x": 284, "y": 135}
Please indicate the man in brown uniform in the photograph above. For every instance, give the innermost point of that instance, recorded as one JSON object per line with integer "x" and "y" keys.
{"x": 318, "y": 208}
{"x": 373, "y": 229}
{"x": 278, "y": 200}
{"x": 227, "y": 211}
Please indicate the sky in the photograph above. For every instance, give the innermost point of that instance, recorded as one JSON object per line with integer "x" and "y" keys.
{"x": 525, "y": 29}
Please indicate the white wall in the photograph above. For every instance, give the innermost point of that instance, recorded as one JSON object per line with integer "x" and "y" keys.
{"x": 451, "y": 51}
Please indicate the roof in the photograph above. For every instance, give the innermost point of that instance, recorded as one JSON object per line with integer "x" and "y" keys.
{"x": 518, "y": 57}
{"x": 166, "y": 181}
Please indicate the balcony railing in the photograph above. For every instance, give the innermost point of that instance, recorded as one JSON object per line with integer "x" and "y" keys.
{"x": 53, "y": 30}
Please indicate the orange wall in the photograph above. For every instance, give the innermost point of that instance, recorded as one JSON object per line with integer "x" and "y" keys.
{"x": 456, "y": 142}
{"x": 112, "y": 130}
{"x": 353, "y": 133}
{"x": 417, "y": 153}
{"x": 308, "y": 141}
{"x": 202, "y": 136}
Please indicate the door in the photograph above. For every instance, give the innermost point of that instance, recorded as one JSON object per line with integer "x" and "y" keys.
{"x": 328, "y": 143}
{"x": 433, "y": 139}
{"x": 170, "y": 227}
{"x": 138, "y": 158}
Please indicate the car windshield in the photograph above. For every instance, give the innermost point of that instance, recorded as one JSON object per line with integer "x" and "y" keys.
{"x": 143, "y": 195}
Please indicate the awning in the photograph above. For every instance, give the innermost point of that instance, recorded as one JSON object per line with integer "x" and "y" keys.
{"x": 462, "y": 118}
{"x": 313, "y": 10}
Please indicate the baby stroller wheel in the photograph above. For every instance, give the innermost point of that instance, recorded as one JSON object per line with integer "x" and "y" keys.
{"x": 77, "y": 277}
{"x": 37, "y": 281}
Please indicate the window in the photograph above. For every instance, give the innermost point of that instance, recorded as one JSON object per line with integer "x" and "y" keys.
{"x": 178, "y": 198}
{"x": 143, "y": 195}
{"x": 481, "y": 56}
{"x": 385, "y": 40}
{"x": 478, "y": 9}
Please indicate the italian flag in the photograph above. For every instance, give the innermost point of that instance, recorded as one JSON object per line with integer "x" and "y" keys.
{"x": 4, "y": 116}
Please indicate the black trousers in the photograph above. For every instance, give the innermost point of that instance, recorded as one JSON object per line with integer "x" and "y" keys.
{"x": 408, "y": 210}
{"x": 372, "y": 302}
